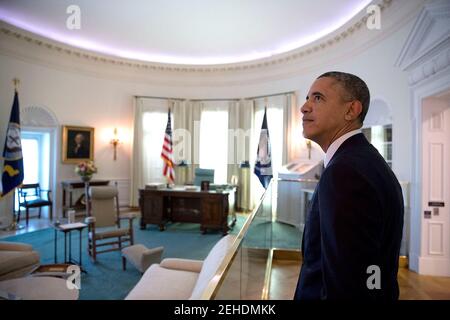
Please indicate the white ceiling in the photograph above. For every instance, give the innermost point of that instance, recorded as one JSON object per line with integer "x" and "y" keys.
{"x": 185, "y": 31}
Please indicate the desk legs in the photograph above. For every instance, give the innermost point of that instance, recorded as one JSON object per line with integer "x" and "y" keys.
{"x": 70, "y": 246}
{"x": 80, "y": 252}
{"x": 56, "y": 246}
{"x": 65, "y": 247}
{"x": 69, "y": 259}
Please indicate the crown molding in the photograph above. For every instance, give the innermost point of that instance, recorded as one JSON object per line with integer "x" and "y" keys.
{"x": 343, "y": 34}
{"x": 426, "y": 51}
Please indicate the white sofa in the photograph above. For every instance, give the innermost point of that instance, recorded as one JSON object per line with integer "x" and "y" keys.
{"x": 180, "y": 279}
{"x": 17, "y": 260}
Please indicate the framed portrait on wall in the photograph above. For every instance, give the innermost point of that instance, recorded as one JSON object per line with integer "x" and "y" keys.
{"x": 77, "y": 144}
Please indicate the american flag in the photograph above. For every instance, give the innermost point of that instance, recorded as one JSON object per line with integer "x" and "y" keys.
{"x": 167, "y": 153}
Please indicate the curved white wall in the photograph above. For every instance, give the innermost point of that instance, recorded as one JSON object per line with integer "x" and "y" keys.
{"x": 92, "y": 93}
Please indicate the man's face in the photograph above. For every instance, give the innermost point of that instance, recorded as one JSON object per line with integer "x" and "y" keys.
{"x": 79, "y": 138}
{"x": 324, "y": 111}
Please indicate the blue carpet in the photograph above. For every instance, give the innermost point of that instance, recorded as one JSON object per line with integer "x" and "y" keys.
{"x": 267, "y": 234}
{"x": 105, "y": 279}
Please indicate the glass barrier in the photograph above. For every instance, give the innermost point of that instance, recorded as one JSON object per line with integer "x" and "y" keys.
{"x": 264, "y": 261}
{"x": 247, "y": 272}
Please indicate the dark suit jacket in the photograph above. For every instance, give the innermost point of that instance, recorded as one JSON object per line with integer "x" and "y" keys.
{"x": 355, "y": 220}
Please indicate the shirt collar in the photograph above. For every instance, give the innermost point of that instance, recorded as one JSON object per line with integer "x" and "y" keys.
{"x": 336, "y": 144}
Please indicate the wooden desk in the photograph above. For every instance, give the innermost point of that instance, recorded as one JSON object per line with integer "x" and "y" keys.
{"x": 208, "y": 208}
{"x": 69, "y": 185}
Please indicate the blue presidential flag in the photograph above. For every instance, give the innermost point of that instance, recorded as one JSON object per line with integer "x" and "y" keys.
{"x": 12, "y": 176}
{"x": 263, "y": 165}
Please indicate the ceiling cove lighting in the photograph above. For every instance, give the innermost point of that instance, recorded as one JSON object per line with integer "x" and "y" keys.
{"x": 127, "y": 53}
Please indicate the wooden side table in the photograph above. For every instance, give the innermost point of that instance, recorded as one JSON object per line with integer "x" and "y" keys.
{"x": 68, "y": 186}
{"x": 67, "y": 229}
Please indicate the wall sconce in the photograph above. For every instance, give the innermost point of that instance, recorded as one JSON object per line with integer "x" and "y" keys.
{"x": 115, "y": 141}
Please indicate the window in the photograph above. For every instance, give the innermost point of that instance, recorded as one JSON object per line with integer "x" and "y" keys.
{"x": 31, "y": 161}
{"x": 214, "y": 142}
{"x": 381, "y": 138}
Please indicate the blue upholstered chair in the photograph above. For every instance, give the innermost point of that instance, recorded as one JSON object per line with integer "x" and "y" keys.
{"x": 203, "y": 175}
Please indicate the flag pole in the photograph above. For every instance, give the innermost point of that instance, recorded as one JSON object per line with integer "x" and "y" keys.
{"x": 14, "y": 225}
{"x": 16, "y": 82}
{"x": 170, "y": 103}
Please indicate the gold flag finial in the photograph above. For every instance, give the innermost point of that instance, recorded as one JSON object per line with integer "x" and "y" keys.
{"x": 16, "y": 83}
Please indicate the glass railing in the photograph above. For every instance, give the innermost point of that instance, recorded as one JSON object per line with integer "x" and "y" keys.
{"x": 242, "y": 274}
{"x": 247, "y": 271}
{"x": 265, "y": 258}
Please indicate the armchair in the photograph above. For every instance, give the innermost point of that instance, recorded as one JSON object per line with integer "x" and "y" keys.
{"x": 31, "y": 196}
{"x": 104, "y": 221}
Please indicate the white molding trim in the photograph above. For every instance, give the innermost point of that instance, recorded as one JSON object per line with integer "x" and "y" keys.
{"x": 434, "y": 266}
{"x": 37, "y": 116}
{"x": 440, "y": 224}
{"x": 427, "y": 69}
{"x": 344, "y": 33}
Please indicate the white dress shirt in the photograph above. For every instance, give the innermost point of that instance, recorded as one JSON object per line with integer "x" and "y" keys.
{"x": 336, "y": 144}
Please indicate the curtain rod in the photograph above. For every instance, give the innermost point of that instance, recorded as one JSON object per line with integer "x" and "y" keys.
{"x": 162, "y": 98}
{"x": 270, "y": 95}
{"x": 218, "y": 99}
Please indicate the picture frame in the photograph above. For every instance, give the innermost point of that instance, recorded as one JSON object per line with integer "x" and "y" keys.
{"x": 77, "y": 144}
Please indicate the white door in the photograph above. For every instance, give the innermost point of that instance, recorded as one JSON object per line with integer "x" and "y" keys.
{"x": 435, "y": 242}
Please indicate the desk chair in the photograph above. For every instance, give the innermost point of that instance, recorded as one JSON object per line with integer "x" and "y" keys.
{"x": 203, "y": 175}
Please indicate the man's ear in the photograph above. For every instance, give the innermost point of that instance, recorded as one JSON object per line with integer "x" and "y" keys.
{"x": 354, "y": 110}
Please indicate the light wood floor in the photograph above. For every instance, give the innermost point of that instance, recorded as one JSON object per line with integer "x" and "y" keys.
{"x": 34, "y": 223}
{"x": 412, "y": 285}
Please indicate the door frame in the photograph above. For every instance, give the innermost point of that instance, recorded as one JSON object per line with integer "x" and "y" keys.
{"x": 428, "y": 88}
{"x": 53, "y": 148}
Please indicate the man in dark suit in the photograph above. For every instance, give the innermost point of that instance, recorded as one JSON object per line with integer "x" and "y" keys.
{"x": 353, "y": 230}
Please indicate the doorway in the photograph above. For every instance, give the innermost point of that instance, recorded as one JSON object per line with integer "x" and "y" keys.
{"x": 435, "y": 206}
{"x": 36, "y": 161}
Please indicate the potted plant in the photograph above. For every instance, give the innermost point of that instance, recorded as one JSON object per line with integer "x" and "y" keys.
{"x": 85, "y": 170}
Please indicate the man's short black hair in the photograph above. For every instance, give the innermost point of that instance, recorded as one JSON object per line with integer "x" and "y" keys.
{"x": 354, "y": 87}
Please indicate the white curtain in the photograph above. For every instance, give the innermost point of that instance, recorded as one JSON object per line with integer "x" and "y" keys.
{"x": 150, "y": 120}
{"x": 293, "y": 136}
{"x": 240, "y": 123}
{"x": 186, "y": 135}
